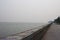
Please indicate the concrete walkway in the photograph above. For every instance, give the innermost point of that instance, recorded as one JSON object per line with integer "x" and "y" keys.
{"x": 53, "y": 33}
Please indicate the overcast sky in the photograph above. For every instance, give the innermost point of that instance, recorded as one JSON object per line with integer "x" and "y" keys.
{"x": 29, "y": 10}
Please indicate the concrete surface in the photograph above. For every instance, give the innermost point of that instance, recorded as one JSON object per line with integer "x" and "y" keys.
{"x": 53, "y": 33}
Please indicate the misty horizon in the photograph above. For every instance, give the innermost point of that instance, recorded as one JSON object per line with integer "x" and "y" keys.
{"x": 29, "y": 10}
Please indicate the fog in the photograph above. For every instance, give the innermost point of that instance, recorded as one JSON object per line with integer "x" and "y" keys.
{"x": 29, "y": 10}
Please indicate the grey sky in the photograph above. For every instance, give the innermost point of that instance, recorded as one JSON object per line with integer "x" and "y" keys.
{"x": 29, "y": 10}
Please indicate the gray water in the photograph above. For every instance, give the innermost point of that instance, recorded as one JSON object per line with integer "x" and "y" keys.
{"x": 8, "y": 28}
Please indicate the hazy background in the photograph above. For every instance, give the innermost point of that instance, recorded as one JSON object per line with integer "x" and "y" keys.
{"x": 29, "y": 10}
{"x": 35, "y": 12}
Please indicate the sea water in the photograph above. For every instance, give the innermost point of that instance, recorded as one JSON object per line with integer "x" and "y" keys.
{"x": 9, "y": 28}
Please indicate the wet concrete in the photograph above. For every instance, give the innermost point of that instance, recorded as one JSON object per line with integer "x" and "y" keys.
{"x": 53, "y": 33}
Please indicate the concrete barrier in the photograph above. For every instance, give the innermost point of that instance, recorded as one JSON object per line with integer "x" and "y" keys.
{"x": 38, "y": 35}
{"x": 32, "y": 34}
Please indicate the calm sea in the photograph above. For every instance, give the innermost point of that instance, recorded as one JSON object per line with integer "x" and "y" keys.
{"x": 8, "y": 28}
